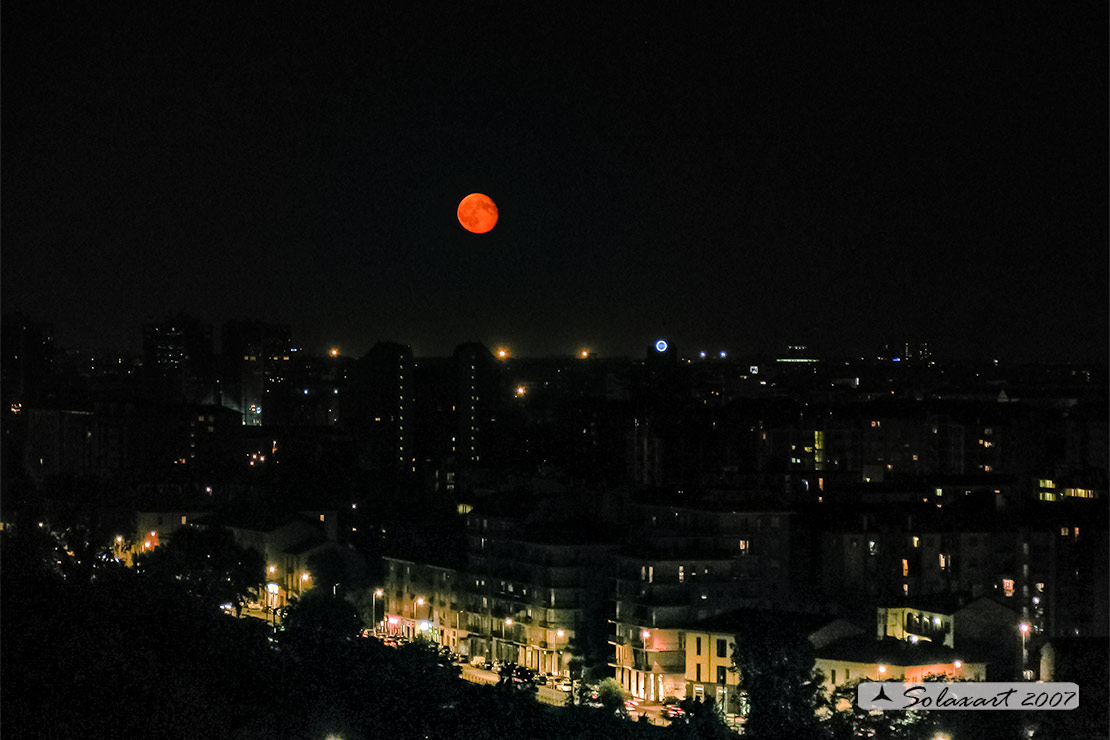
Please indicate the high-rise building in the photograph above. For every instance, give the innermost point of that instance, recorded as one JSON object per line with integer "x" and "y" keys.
{"x": 255, "y": 356}
{"x": 27, "y": 350}
{"x": 478, "y": 393}
{"x": 179, "y": 361}
{"x": 381, "y": 407}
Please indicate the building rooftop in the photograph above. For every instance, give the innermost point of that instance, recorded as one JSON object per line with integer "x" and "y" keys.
{"x": 889, "y": 651}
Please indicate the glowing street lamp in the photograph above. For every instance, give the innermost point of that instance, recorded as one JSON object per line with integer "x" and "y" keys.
{"x": 374, "y": 606}
{"x": 882, "y": 669}
{"x": 1024, "y": 627}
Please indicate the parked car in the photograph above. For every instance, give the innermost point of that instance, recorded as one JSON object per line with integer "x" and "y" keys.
{"x": 566, "y": 685}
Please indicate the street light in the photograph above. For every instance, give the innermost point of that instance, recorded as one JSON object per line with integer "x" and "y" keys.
{"x": 374, "y": 606}
{"x": 1024, "y": 627}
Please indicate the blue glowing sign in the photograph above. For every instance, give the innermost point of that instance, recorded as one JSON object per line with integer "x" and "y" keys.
{"x": 661, "y": 345}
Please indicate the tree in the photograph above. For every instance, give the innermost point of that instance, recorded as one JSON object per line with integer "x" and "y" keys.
{"x": 777, "y": 670}
{"x": 845, "y": 720}
{"x": 610, "y": 694}
{"x": 209, "y": 563}
{"x": 319, "y": 618}
{"x": 344, "y": 569}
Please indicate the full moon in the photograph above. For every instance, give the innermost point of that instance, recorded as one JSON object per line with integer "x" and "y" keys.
{"x": 477, "y": 213}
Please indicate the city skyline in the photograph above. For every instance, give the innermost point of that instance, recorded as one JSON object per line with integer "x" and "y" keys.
{"x": 736, "y": 180}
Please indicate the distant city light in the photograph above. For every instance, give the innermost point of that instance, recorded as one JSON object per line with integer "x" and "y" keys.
{"x": 521, "y": 390}
{"x": 420, "y": 601}
{"x": 882, "y": 669}
{"x": 896, "y": 359}
{"x": 272, "y": 587}
{"x": 425, "y": 626}
{"x": 559, "y": 633}
{"x": 959, "y": 664}
{"x": 508, "y": 621}
{"x": 661, "y": 345}
{"x": 701, "y": 354}
{"x": 584, "y": 353}
{"x": 502, "y": 353}
{"x": 1024, "y": 627}
{"x": 724, "y": 354}
{"x": 334, "y": 352}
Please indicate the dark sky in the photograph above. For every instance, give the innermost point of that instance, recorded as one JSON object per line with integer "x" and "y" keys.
{"x": 733, "y": 178}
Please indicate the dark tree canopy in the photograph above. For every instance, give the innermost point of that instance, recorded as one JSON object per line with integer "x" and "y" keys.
{"x": 209, "y": 563}
{"x": 777, "y": 671}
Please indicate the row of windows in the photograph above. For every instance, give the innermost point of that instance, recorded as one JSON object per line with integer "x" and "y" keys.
{"x": 721, "y": 645}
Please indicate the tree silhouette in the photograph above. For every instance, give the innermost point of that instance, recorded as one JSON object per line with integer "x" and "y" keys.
{"x": 777, "y": 671}
{"x": 208, "y": 563}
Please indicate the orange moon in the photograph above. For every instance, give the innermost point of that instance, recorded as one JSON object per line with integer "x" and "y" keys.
{"x": 477, "y": 213}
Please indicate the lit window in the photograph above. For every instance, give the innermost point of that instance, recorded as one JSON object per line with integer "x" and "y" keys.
{"x": 1008, "y": 586}
{"x": 917, "y": 542}
{"x": 905, "y": 567}
{"x": 745, "y": 547}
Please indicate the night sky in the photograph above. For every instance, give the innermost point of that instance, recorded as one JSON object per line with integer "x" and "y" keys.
{"x": 730, "y": 178}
